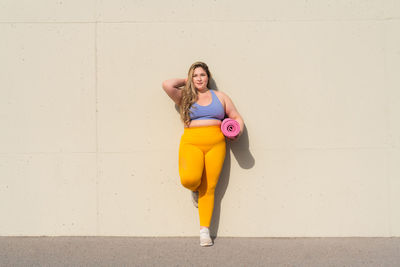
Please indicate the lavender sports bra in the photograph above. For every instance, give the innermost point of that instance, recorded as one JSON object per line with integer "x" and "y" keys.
{"x": 214, "y": 111}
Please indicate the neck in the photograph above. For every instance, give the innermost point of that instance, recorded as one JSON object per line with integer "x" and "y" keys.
{"x": 205, "y": 90}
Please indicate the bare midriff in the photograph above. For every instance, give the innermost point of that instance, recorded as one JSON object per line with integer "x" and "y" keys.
{"x": 199, "y": 123}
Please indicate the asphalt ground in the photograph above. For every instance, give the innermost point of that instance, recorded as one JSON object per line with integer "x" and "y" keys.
{"x": 177, "y": 251}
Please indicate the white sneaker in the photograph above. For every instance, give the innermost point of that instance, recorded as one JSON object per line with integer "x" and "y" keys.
{"x": 195, "y": 198}
{"x": 205, "y": 239}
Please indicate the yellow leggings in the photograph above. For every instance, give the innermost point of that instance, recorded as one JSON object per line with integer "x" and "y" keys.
{"x": 201, "y": 156}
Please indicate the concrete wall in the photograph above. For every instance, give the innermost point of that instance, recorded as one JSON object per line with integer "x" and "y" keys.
{"x": 89, "y": 141}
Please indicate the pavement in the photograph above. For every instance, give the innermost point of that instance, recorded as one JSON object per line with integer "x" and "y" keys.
{"x": 177, "y": 251}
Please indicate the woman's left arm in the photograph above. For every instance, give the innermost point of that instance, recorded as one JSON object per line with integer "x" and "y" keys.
{"x": 232, "y": 113}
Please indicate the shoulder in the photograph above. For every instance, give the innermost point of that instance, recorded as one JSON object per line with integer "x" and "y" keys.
{"x": 221, "y": 95}
{"x": 223, "y": 98}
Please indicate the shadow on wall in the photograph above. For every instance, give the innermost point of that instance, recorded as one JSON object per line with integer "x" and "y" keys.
{"x": 240, "y": 149}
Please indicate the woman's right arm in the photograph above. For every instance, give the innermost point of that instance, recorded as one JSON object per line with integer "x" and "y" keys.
{"x": 172, "y": 88}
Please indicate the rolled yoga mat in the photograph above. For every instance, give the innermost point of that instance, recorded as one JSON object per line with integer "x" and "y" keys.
{"x": 230, "y": 128}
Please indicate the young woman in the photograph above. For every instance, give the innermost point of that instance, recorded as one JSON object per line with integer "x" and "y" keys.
{"x": 202, "y": 145}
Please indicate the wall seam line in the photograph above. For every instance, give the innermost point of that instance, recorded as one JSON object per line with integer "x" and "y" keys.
{"x": 389, "y": 148}
{"x": 202, "y": 21}
{"x": 96, "y": 123}
{"x": 389, "y": 138}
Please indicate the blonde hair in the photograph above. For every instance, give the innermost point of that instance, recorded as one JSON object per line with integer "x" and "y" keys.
{"x": 189, "y": 92}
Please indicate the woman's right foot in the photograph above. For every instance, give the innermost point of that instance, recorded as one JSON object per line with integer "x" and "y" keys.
{"x": 205, "y": 239}
{"x": 195, "y": 198}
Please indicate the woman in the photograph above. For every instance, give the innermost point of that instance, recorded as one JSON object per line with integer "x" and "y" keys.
{"x": 202, "y": 145}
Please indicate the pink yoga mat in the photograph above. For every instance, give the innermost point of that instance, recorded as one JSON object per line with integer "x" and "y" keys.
{"x": 230, "y": 127}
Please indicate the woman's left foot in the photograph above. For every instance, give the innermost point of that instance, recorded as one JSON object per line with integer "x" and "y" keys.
{"x": 195, "y": 198}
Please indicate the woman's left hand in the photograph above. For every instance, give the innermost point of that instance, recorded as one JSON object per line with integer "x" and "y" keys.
{"x": 233, "y": 139}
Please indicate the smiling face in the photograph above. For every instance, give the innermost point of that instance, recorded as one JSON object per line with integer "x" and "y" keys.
{"x": 200, "y": 79}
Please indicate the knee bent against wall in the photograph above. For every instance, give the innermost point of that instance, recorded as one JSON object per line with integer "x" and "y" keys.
{"x": 190, "y": 181}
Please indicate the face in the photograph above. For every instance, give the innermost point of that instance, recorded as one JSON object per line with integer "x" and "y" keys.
{"x": 200, "y": 78}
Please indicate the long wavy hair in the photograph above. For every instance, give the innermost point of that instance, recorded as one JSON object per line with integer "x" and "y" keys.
{"x": 189, "y": 92}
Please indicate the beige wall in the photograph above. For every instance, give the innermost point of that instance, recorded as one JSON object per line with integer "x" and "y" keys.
{"x": 89, "y": 141}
